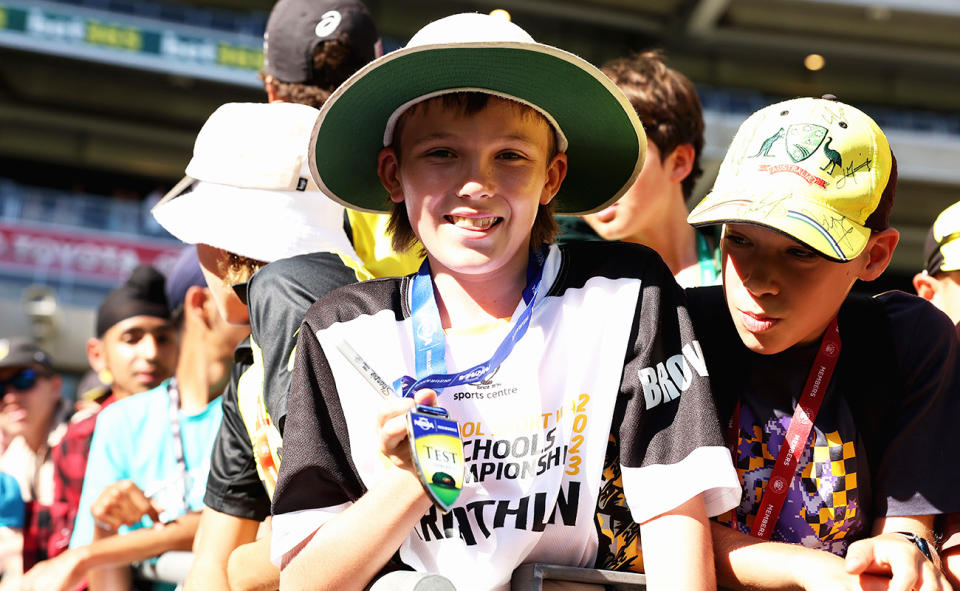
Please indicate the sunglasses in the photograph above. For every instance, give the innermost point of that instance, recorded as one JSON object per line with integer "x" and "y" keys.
{"x": 241, "y": 290}
{"x": 21, "y": 381}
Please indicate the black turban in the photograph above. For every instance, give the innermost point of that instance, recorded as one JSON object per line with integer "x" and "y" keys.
{"x": 141, "y": 295}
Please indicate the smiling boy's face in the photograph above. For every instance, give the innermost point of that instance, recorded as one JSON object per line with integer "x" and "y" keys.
{"x": 472, "y": 183}
{"x": 779, "y": 292}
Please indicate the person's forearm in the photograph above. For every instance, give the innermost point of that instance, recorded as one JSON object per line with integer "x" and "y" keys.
{"x": 250, "y": 569}
{"x": 217, "y": 536}
{"x": 685, "y": 527}
{"x": 745, "y": 562}
{"x": 11, "y": 553}
{"x": 110, "y": 578}
{"x": 122, "y": 550}
{"x": 375, "y": 526}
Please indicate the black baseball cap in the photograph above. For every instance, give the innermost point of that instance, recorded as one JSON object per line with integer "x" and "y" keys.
{"x": 184, "y": 274}
{"x": 22, "y": 352}
{"x": 296, "y": 27}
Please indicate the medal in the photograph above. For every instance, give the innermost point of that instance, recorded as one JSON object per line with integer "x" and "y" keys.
{"x": 434, "y": 437}
{"x": 437, "y": 453}
{"x": 435, "y": 444}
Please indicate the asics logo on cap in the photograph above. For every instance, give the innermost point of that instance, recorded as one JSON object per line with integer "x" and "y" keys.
{"x": 328, "y": 23}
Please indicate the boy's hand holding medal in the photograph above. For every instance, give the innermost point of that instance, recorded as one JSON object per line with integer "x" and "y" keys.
{"x": 416, "y": 435}
{"x": 392, "y": 424}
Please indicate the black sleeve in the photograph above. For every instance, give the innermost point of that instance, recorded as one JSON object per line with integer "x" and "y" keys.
{"x": 722, "y": 347}
{"x": 233, "y": 484}
{"x": 919, "y": 474}
{"x": 669, "y": 428}
{"x": 278, "y": 297}
{"x": 670, "y": 410}
{"x": 316, "y": 471}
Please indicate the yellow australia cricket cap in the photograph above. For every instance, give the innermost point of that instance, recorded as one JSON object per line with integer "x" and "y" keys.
{"x": 817, "y": 170}
{"x": 941, "y": 252}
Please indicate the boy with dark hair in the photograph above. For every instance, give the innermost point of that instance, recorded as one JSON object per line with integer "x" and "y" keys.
{"x": 312, "y": 46}
{"x": 473, "y": 144}
{"x": 654, "y": 211}
{"x": 844, "y": 493}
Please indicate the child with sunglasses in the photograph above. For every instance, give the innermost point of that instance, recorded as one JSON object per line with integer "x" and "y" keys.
{"x": 31, "y": 424}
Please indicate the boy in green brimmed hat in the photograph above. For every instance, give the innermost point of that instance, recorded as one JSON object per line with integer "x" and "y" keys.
{"x": 568, "y": 368}
{"x": 839, "y": 407}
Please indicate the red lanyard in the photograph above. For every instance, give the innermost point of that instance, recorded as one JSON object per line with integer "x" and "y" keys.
{"x": 771, "y": 503}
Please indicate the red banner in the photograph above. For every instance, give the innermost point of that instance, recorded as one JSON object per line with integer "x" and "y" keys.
{"x": 77, "y": 255}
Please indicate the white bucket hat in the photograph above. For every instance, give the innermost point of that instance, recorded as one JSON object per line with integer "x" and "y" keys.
{"x": 248, "y": 189}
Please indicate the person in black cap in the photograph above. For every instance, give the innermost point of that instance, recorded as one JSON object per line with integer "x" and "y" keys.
{"x": 135, "y": 349}
{"x": 31, "y": 423}
{"x": 311, "y": 47}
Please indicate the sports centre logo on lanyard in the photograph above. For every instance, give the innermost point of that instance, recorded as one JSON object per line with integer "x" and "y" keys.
{"x": 434, "y": 437}
{"x": 775, "y": 493}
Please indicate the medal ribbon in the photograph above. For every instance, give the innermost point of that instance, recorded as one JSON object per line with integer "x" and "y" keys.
{"x": 775, "y": 493}
{"x": 430, "y": 343}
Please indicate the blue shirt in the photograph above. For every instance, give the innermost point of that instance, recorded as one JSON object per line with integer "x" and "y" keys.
{"x": 134, "y": 440}
{"x": 11, "y": 503}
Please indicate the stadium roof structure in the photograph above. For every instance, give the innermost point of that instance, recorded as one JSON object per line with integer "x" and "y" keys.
{"x": 122, "y": 86}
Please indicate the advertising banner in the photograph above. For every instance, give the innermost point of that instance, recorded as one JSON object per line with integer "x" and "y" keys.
{"x": 48, "y": 252}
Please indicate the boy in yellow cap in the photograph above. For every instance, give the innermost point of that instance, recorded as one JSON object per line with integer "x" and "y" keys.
{"x": 838, "y": 406}
{"x": 939, "y": 282}
{"x": 557, "y": 362}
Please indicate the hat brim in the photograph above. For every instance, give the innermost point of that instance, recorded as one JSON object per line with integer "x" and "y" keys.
{"x": 264, "y": 225}
{"x": 809, "y": 223}
{"x": 606, "y": 140}
{"x": 950, "y": 251}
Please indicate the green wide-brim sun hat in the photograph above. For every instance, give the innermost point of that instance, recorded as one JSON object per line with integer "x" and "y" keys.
{"x": 594, "y": 122}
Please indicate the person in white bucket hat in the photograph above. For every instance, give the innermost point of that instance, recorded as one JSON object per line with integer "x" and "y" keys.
{"x": 248, "y": 184}
{"x": 567, "y": 368}
{"x": 270, "y": 243}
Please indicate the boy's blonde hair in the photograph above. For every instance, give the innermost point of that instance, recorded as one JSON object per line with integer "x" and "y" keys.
{"x": 545, "y": 227}
{"x": 234, "y": 268}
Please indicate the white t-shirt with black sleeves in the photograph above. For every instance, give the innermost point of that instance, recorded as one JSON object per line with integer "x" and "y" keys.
{"x": 610, "y": 349}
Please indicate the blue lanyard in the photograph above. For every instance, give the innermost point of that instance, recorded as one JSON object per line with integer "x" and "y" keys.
{"x": 430, "y": 343}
